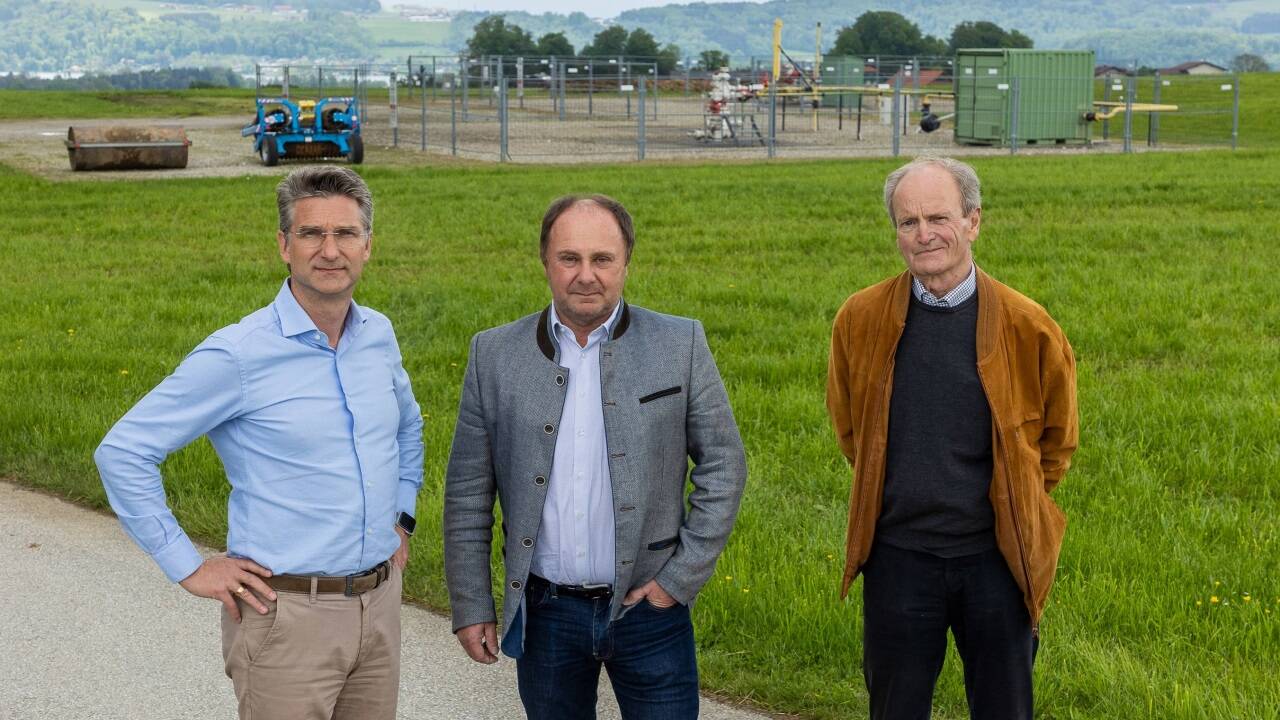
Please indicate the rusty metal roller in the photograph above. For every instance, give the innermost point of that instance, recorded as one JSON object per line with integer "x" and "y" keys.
{"x": 126, "y": 147}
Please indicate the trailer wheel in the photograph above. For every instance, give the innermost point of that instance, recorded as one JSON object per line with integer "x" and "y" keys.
{"x": 269, "y": 152}
{"x": 356, "y": 156}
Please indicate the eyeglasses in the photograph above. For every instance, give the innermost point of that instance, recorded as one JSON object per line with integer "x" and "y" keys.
{"x": 347, "y": 238}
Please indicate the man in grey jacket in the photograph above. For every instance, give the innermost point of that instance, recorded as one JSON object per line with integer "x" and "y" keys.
{"x": 582, "y": 419}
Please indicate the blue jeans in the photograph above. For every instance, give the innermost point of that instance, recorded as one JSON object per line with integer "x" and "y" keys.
{"x": 649, "y": 654}
{"x": 911, "y": 599}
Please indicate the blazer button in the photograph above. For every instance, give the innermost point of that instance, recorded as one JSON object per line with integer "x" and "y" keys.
{"x": 527, "y": 542}
{"x": 539, "y": 480}
{"x": 516, "y": 584}
{"x": 548, "y": 428}
{"x": 559, "y": 380}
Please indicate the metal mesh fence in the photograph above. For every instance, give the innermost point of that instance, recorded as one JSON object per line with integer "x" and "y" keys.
{"x": 557, "y": 111}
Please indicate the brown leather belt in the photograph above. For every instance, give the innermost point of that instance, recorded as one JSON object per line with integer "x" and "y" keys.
{"x": 348, "y": 585}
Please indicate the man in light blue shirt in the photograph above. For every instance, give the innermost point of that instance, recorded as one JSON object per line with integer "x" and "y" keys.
{"x": 308, "y": 406}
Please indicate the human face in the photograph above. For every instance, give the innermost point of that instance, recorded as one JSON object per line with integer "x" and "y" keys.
{"x": 586, "y": 266}
{"x": 329, "y": 270}
{"x": 935, "y": 237}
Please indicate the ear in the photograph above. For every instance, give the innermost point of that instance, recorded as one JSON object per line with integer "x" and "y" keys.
{"x": 975, "y": 222}
{"x": 368, "y": 246}
{"x": 283, "y": 245}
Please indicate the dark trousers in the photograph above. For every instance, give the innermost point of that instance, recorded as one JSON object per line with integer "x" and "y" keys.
{"x": 910, "y": 599}
{"x": 649, "y": 654}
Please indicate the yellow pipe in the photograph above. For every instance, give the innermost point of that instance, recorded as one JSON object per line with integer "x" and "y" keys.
{"x": 777, "y": 50}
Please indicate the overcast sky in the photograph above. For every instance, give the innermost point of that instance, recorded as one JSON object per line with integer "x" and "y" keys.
{"x": 594, "y": 8}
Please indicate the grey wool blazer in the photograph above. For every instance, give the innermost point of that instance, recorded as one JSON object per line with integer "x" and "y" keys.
{"x": 664, "y": 405}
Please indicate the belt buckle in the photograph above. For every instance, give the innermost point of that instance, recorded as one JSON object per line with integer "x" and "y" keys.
{"x": 347, "y": 591}
{"x": 596, "y": 590}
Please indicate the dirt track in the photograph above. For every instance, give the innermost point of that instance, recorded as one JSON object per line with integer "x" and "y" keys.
{"x": 536, "y": 135}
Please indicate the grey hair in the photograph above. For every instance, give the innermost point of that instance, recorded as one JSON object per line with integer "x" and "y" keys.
{"x": 566, "y": 203}
{"x": 964, "y": 175}
{"x": 323, "y": 181}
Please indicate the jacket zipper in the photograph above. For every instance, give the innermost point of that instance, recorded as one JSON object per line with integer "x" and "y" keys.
{"x": 862, "y": 485}
{"x": 1017, "y": 526}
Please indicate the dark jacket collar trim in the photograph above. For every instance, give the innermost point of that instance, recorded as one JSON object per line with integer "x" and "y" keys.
{"x": 548, "y": 348}
{"x": 544, "y": 335}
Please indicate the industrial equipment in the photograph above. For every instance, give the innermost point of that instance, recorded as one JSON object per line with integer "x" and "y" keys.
{"x": 127, "y": 147}
{"x": 285, "y": 129}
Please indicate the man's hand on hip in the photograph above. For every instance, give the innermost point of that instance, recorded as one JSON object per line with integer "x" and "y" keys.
{"x": 400, "y": 557}
{"x": 652, "y": 592}
{"x": 224, "y": 579}
{"x": 480, "y": 641}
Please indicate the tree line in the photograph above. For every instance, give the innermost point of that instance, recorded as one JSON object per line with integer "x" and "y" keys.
{"x": 873, "y": 33}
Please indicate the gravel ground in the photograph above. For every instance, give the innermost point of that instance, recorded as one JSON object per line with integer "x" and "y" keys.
{"x": 535, "y": 135}
{"x": 93, "y": 630}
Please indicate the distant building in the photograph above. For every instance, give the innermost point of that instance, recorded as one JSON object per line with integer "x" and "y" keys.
{"x": 1102, "y": 70}
{"x": 1195, "y": 67}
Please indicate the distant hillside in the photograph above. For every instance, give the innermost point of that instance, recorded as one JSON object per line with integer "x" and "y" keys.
{"x": 52, "y": 35}
{"x": 1150, "y": 32}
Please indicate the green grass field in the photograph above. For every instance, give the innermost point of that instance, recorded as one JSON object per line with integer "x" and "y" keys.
{"x": 1159, "y": 267}
{"x": 34, "y": 104}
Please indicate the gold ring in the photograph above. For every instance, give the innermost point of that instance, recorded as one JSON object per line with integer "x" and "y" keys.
{"x": 239, "y": 590}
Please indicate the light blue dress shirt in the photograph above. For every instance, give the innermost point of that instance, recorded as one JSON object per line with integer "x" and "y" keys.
{"x": 322, "y": 447}
{"x": 576, "y": 539}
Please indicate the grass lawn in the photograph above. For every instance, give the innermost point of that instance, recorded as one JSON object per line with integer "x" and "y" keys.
{"x": 33, "y": 104}
{"x": 1160, "y": 268}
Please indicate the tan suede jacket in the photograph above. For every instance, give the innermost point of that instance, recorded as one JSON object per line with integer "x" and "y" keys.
{"x": 1028, "y": 372}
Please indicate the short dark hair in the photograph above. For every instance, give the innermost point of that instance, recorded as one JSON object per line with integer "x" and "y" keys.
{"x": 563, "y": 204}
{"x": 323, "y": 181}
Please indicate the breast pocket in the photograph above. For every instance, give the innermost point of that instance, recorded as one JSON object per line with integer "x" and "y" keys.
{"x": 661, "y": 394}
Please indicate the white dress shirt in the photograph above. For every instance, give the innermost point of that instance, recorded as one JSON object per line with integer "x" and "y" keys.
{"x": 576, "y": 541}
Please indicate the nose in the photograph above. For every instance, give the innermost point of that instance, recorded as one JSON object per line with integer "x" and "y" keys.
{"x": 923, "y": 232}
{"x": 329, "y": 248}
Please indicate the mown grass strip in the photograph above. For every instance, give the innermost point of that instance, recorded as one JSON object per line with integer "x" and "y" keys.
{"x": 1159, "y": 267}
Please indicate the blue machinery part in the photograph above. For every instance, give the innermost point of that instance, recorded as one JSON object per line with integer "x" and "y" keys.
{"x": 285, "y": 129}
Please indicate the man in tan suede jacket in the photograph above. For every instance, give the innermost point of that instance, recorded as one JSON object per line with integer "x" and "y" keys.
{"x": 954, "y": 399}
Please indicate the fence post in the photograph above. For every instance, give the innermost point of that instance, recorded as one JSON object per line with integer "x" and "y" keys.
{"x": 284, "y": 87}
{"x": 563, "y": 69}
{"x": 466, "y": 86}
{"x": 897, "y": 111}
{"x": 1128, "y": 115}
{"x": 1015, "y": 104}
{"x": 503, "y": 121}
{"x": 1235, "y": 111}
{"x": 422, "y": 78}
{"x": 773, "y": 119}
{"x": 640, "y": 124}
{"x": 319, "y": 81}
{"x": 408, "y": 66}
{"x": 395, "y": 120}
{"x": 1106, "y": 97}
{"x": 453, "y": 117}
{"x": 1153, "y": 119}
{"x": 655, "y": 91}
{"x": 591, "y": 87}
{"x": 433, "y": 78}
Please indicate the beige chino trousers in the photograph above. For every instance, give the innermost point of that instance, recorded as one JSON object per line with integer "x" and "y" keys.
{"x": 319, "y": 656}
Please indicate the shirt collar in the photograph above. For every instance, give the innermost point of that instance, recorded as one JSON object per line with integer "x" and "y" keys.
{"x": 295, "y": 321}
{"x": 958, "y": 294}
{"x": 605, "y": 328}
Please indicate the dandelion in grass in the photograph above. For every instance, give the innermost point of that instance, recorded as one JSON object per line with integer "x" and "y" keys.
{"x": 728, "y": 578}
{"x": 1198, "y": 603}
{"x": 123, "y": 371}
{"x": 745, "y": 590}
{"x": 1214, "y": 600}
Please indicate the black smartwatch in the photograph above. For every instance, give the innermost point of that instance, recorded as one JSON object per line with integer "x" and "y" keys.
{"x": 405, "y": 522}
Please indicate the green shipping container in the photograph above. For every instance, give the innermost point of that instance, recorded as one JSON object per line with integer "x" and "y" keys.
{"x": 1055, "y": 90}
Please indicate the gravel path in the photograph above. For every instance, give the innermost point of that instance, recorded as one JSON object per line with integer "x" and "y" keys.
{"x": 92, "y": 629}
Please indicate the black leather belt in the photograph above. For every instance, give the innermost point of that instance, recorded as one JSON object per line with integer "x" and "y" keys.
{"x": 348, "y": 585}
{"x": 586, "y": 592}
